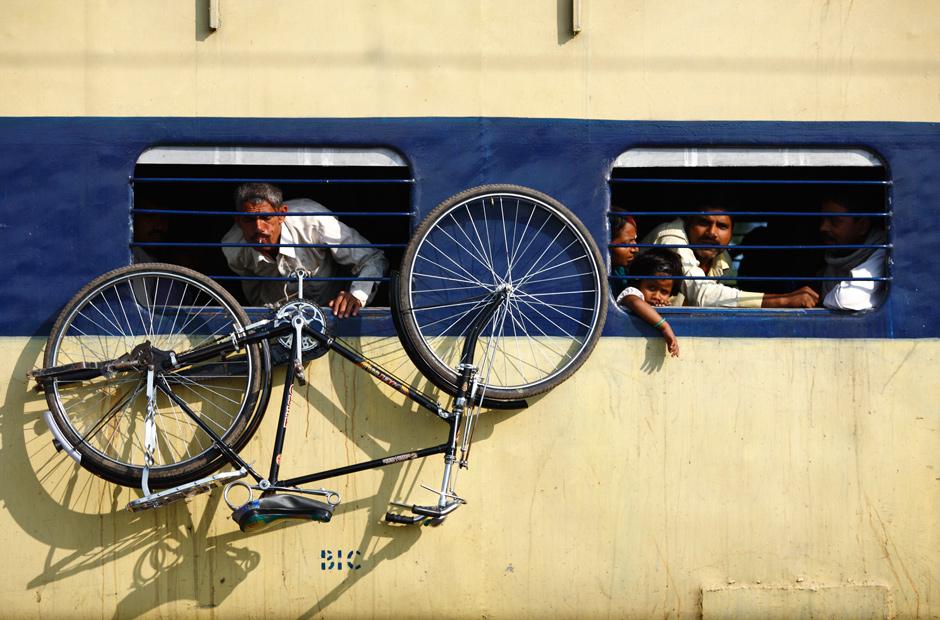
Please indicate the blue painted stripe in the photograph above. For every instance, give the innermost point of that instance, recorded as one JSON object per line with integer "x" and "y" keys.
{"x": 65, "y": 200}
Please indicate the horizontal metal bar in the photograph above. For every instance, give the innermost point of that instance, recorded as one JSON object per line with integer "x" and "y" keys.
{"x": 753, "y": 213}
{"x": 310, "y": 279}
{"x": 373, "y": 464}
{"x": 765, "y": 312}
{"x": 135, "y": 180}
{"x": 218, "y": 244}
{"x": 288, "y": 213}
{"x": 752, "y": 181}
{"x": 733, "y": 278}
{"x": 697, "y": 246}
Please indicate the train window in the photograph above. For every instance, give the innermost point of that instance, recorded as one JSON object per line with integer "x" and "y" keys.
{"x": 184, "y": 201}
{"x": 814, "y": 218}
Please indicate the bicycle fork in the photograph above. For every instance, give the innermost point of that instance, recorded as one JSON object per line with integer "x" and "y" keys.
{"x": 467, "y": 385}
{"x": 465, "y": 401}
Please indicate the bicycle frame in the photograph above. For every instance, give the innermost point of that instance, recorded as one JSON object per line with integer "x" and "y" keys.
{"x": 536, "y": 282}
{"x": 466, "y": 397}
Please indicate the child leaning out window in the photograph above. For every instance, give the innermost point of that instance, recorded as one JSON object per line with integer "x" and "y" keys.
{"x": 642, "y": 294}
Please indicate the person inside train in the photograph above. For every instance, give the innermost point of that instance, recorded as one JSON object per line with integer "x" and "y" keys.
{"x": 149, "y": 228}
{"x": 642, "y": 295}
{"x": 623, "y": 231}
{"x": 257, "y": 202}
{"x": 838, "y": 229}
{"x": 712, "y": 229}
{"x": 784, "y": 269}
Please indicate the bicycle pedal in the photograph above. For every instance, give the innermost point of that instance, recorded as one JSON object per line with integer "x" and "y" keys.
{"x": 184, "y": 491}
{"x": 393, "y": 517}
{"x": 257, "y": 514}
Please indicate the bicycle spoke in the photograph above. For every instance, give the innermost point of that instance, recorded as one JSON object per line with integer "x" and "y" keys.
{"x": 467, "y": 273}
{"x": 173, "y": 310}
{"x": 475, "y": 283}
{"x": 518, "y": 244}
{"x": 531, "y": 302}
{"x": 476, "y": 232}
{"x": 131, "y": 394}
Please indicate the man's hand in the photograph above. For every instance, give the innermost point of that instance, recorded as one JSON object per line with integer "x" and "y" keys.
{"x": 803, "y": 297}
{"x": 344, "y": 305}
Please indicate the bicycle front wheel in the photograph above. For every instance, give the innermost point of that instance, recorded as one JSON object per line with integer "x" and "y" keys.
{"x": 168, "y": 310}
{"x": 530, "y": 249}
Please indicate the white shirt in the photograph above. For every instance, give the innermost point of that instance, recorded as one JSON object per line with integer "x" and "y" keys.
{"x": 701, "y": 292}
{"x": 630, "y": 291}
{"x": 320, "y": 262}
{"x": 859, "y": 295}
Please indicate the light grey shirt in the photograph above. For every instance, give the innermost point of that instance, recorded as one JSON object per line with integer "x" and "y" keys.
{"x": 701, "y": 292}
{"x": 320, "y": 262}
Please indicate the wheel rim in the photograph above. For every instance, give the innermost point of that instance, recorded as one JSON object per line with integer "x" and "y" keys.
{"x": 542, "y": 262}
{"x": 175, "y": 313}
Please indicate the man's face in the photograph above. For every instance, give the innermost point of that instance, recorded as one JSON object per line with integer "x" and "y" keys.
{"x": 839, "y": 229}
{"x": 711, "y": 230}
{"x": 261, "y": 228}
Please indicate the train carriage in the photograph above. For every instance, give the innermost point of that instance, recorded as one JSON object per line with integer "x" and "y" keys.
{"x": 784, "y": 465}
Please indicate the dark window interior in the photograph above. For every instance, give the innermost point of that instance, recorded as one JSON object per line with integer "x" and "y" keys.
{"x": 652, "y": 195}
{"x": 202, "y": 188}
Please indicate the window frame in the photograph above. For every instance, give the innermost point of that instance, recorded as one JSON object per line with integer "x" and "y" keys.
{"x": 389, "y": 165}
{"x": 690, "y": 158}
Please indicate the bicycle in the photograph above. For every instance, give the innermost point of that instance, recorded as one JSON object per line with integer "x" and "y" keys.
{"x": 156, "y": 378}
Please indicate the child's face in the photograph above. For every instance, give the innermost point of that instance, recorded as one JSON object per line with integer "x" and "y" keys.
{"x": 656, "y": 292}
{"x": 621, "y": 257}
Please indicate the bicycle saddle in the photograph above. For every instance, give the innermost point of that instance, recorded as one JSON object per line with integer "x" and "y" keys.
{"x": 257, "y": 514}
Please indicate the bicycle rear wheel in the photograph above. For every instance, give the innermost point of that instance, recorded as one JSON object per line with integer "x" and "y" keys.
{"x": 524, "y": 245}
{"x": 174, "y": 310}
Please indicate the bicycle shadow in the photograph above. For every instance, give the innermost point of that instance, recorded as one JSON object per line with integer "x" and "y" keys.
{"x": 174, "y": 553}
{"x": 80, "y": 518}
{"x": 399, "y": 483}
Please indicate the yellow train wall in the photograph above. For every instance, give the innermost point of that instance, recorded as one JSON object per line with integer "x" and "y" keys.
{"x": 633, "y": 59}
{"x": 748, "y": 478}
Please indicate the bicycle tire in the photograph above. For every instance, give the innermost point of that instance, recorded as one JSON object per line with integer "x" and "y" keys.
{"x": 525, "y": 242}
{"x": 103, "y": 418}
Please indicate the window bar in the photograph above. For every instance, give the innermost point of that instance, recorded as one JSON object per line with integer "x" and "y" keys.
{"x": 282, "y": 213}
{"x": 734, "y": 278}
{"x": 135, "y": 180}
{"x": 311, "y": 278}
{"x": 219, "y": 244}
{"x": 749, "y": 181}
{"x": 729, "y": 248}
{"x": 750, "y": 213}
